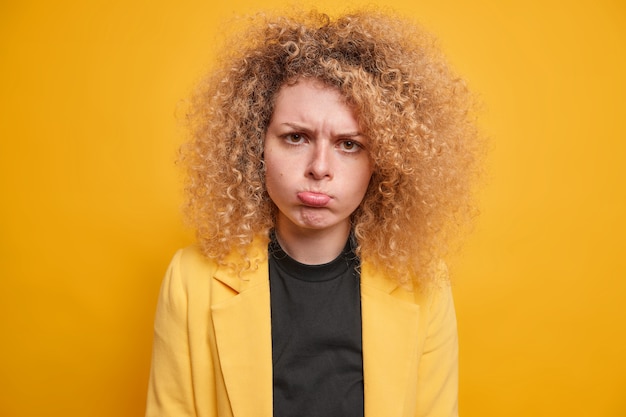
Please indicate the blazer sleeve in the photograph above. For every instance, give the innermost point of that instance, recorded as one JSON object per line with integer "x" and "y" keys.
{"x": 170, "y": 389}
{"x": 437, "y": 395}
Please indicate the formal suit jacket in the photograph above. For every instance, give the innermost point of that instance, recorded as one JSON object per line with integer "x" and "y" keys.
{"x": 212, "y": 353}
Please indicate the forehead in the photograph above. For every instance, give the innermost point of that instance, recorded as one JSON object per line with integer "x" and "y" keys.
{"x": 312, "y": 102}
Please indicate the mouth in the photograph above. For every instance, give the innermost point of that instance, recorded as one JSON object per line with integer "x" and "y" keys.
{"x": 313, "y": 199}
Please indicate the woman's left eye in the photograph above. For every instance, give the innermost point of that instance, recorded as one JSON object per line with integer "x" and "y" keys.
{"x": 350, "y": 146}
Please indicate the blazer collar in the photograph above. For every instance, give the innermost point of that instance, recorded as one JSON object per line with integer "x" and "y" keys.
{"x": 243, "y": 336}
{"x": 256, "y": 275}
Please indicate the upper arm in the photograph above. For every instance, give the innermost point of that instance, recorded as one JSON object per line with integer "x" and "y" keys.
{"x": 437, "y": 393}
{"x": 170, "y": 390}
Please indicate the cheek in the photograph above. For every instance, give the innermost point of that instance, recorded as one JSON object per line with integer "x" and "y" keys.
{"x": 271, "y": 158}
{"x": 272, "y": 169}
{"x": 268, "y": 165}
{"x": 363, "y": 190}
{"x": 365, "y": 177}
{"x": 274, "y": 179}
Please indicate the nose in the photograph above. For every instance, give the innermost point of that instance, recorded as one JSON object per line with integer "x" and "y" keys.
{"x": 320, "y": 165}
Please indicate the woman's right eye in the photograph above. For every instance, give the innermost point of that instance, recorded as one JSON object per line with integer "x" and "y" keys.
{"x": 294, "y": 138}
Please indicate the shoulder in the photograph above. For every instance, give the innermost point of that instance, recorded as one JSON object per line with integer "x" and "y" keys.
{"x": 437, "y": 290}
{"x": 191, "y": 262}
{"x": 426, "y": 293}
{"x": 188, "y": 269}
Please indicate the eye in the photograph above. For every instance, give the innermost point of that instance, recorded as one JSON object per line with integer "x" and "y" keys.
{"x": 350, "y": 146}
{"x": 294, "y": 138}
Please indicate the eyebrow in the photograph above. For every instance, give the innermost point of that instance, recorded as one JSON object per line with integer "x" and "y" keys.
{"x": 302, "y": 128}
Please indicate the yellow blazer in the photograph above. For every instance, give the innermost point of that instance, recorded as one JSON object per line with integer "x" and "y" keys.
{"x": 212, "y": 354}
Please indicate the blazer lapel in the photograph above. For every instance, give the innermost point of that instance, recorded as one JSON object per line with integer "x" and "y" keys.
{"x": 242, "y": 325}
{"x": 390, "y": 340}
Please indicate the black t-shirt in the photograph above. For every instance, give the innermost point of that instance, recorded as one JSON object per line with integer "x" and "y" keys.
{"x": 316, "y": 336}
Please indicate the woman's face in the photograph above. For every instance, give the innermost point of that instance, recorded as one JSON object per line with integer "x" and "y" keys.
{"x": 316, "y": 158}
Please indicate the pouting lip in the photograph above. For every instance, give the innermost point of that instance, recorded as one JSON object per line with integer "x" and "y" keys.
{"x": 313, "y": 198}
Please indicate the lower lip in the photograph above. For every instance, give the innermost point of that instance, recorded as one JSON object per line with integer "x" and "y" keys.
{"x": 314, "y": 199}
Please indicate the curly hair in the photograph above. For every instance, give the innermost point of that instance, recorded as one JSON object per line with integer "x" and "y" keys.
{"x": 415, "y": 111}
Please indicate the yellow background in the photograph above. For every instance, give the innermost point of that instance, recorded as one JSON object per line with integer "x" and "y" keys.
{"x": 89, "y": 215}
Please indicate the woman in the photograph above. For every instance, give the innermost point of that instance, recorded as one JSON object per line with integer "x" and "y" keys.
{"x": 331, "y": 161}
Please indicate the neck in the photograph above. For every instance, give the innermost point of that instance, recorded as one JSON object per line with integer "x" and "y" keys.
{"x": 312, "y": 247}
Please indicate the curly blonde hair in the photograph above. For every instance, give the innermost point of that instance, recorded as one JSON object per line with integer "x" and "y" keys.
{"x": 415, "y": 111}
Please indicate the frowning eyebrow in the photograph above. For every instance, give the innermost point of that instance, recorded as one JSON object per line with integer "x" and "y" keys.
{"x": 302, "y": 128}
